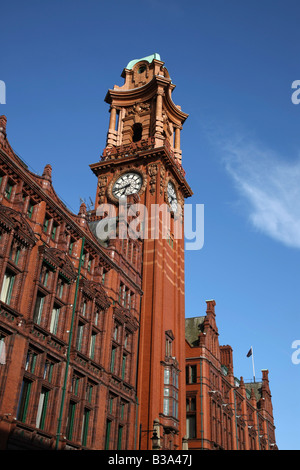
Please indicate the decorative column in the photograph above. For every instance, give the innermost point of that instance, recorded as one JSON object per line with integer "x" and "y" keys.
{"x": 112, "y": 134}
{"x": 177, "y": 151}
{"x": 159, "y": 139}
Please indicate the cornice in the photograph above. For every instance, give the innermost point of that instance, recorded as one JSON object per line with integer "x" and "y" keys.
{"x": 146, "y": 92}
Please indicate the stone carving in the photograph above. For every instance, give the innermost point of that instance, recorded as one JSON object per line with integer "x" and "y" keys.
{"x": 152, "y": 171}
{"x": 102, "y": 183}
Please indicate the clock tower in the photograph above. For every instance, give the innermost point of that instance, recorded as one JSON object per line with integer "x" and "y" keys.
{"x": 142, "y": 165}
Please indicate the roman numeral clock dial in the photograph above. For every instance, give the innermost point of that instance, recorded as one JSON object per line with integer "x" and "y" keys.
{"x": 127, "y": 184}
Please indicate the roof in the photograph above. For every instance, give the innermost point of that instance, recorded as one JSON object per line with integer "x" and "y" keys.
{"x": 256, "y": 386}
{"x": 193, "y": 326}
{"x": 149, "y": 59}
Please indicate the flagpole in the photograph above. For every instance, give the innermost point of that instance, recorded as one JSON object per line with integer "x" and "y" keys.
{"x": 253, "y": 363}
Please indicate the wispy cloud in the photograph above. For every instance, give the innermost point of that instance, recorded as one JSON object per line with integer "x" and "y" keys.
{"x": 270, "y": 186}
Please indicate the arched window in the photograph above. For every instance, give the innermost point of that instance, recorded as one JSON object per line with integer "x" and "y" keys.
{"x": 137, "y": 132}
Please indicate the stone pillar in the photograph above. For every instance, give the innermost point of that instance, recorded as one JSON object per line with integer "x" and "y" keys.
{"x": 177, "y": 151}
{"x": 159, "y": 139}
{"x": 112, "y": 134}
{"x": 112, "y": 121}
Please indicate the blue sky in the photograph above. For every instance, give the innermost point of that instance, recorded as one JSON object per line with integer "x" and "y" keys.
{"x": 233, "y": 64}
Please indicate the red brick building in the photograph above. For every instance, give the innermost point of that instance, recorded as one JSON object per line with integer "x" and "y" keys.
{"x": 223, "y": 412}
{"x": 92, "y": 320}
{"x": 92, "y": 350}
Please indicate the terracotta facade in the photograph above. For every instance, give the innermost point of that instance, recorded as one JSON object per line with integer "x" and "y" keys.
{"x": 223, "y": 412}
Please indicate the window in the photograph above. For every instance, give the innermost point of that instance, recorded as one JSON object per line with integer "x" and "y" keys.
{"x": 117, "y": 332}
{"x": 14, "y": 253}
{"x": 83, "y": 258}
{"x": 170, "y": 403}
{"x": 89, "y": 266}
{"x": 71, "y": 246}
{"x": 120, "y": 432}
{"x": 107, "y": 434}
{"x": 103, "y": 276}
{"x": 127, "y": 341}
{"x": 83, "y": 308}
{"x": 126, "y": 297}
{"x": 113, "y": 358}
{"x": 191, "y": 404}
{"x": 70, "y": 420}
{"x": 191, "y": 417}
{"x": 7, "y": 287}
{"x": 75, "y": 384}
{"x": 60, "y": 287}
{"x": 42, "y": 408}
{"x": 191, "y": 426}
{"x": 46, "y": 275}
{"x": 169, "y": 342}
{"x": 137, "y": 132}
{"x": 89, "y": 392}
{"x": 123, "y": 409}
{"x": 93, "y": 344}
{"x": 191, "y": 374}
{"x": 79, "y": 336}
{"x": 85, "y": 426}
{"x": 8, "y": 189}
{"x": 111, "y": 404}
{"x": 124, "y": 358}
{"x": 31, "y": 359}
{"x": 97, "y": 316}
{"x": 30, "y": 209}
{"x": 46, "y": 224}
{"x": 2, "y": 349}
{"x": 54, "y": 231}
{"x": 122, "y": 294}
{"x": 48, "y": 370}
{"x": 24, "y": 400}
{"x": 54, "y": 319}
{"x": 38, "y": 308}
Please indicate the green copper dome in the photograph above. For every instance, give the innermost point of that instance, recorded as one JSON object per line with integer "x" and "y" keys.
{"x": 149, "y": 59}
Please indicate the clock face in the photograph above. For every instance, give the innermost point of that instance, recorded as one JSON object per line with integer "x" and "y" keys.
{"x": 172, "y": 197}
{"x": 128, "y": 183}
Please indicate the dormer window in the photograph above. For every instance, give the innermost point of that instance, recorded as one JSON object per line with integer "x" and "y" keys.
{"x": 142, "y": 69}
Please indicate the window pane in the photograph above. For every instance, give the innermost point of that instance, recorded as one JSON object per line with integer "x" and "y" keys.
{"x": 2, "y": 350}
{"x": 38, "y": 309}
{"x": 85, "y": 426}
{"x": 23, "y": 401}
{"x": 107, "y": 436}
{"x": 92, "y": 345}
{"x": 54, "y": 320}
{"x": 167, "y": 376}
{"x": 70, "y": 420}
{"x": 42, "y": 407}
{"x": 191, "y": 426}
{"x": 7, "y": 287}
{"x": 166, "y": 406}
{"x": 79, "y": 336}
{"x": 120, "y": 432}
